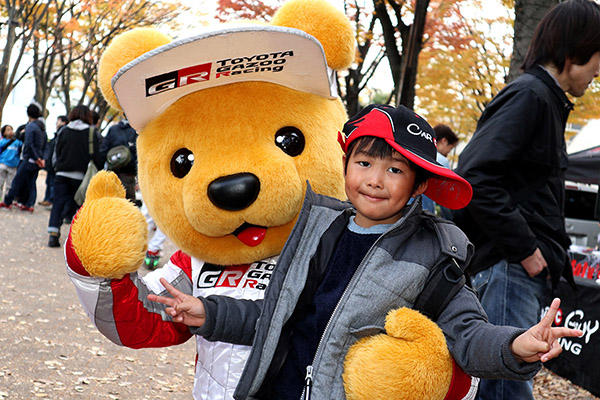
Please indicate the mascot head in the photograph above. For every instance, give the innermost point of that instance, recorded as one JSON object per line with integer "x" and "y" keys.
{"x": 232, "y": 124}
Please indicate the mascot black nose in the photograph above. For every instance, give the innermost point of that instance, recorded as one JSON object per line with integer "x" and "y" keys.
{"x": 234, "y": 192}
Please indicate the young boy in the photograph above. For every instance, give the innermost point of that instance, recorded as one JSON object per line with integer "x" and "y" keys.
{"x": 346, "y": 265}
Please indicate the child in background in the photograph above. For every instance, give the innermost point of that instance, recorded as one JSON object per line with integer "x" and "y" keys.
{"x": 156, "y": 242}
{"x": 10, "y": 152}
{"x": 346, "y": 265}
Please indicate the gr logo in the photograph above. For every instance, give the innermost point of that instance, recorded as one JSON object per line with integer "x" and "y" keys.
{"x": 174, "y": 79}
{"x": 220, "y": 276}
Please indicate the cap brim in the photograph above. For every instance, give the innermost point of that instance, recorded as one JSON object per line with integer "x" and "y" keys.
{"x": 289, "y": 57}
{"x": 446, "y": 188}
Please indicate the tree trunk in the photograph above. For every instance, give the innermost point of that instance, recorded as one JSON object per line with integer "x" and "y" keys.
{"x": 22, "y": 19}
{"x": 6, "y": 86}
{"x": 392, "y": 51}
{"x": 402, "y": 64}
{"x": 410, "y": 58}
{"x": 528, "y": 13}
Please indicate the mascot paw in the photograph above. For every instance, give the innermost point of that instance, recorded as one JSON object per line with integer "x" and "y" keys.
{"x": 410, "y": 362}
{"x": 109, "y": 233}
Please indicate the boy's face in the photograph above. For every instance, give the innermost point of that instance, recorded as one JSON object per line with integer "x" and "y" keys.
{"x": 379, "y": 187}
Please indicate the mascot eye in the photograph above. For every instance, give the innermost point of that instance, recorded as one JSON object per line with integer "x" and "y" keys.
{"x": 182, "y": 162}
{"x": 291, "y": 140}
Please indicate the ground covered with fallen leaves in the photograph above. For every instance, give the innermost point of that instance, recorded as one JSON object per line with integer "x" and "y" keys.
{"x": 549, "y": 386}
{"x": 50, "y": 349}
{"x": 48, "y": 346}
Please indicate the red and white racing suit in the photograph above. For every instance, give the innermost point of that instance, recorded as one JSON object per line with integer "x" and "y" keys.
{"x": 121, "y": 312}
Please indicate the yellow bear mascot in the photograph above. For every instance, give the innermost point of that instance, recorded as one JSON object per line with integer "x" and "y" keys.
{"x": 232, "y": 124}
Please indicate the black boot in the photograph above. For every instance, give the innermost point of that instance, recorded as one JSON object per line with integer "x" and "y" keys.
{"x": 53, "y": 240}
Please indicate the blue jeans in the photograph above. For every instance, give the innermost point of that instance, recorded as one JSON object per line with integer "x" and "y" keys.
{"x": 64, "y": 205}
{"x": 509, "y": 297}
{"x": 49, "y": 195}
{"x": 23, "y": 184}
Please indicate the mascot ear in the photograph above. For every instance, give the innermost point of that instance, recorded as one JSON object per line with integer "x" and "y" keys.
{"x": 123, "y": 49}
{"x": 326, "y": 23}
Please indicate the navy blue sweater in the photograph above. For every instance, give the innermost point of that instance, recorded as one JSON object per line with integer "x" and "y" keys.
{"x": 308, "y": 323}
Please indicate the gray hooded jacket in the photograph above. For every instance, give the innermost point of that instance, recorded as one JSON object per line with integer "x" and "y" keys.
{"x": 391, "y": 275}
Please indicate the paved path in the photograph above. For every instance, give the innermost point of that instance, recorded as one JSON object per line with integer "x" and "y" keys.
{"x": 48, "y": 346}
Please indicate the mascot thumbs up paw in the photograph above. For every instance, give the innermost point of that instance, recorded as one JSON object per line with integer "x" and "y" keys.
{"x": 115, "y": 244}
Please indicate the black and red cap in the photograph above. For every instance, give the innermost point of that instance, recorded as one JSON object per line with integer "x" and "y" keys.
{"x": 409, "y": 134}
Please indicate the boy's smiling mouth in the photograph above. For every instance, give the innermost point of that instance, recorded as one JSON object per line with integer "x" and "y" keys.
{"x": 372, "y": 197}
{"x": 250, "y": 235}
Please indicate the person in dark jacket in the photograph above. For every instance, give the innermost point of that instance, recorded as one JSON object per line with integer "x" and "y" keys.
{"x": 32, "y": 160}
{"x": 123, "y": 134}
{"x": 61, "y": 121}
{"x": 20, "y": 132}
{"x": 516, "y": 162}
{"x": 72, "y": 157}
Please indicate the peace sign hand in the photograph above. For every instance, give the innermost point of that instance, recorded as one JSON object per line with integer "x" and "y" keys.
{"x": 182, "y": 307}
{"x": 540, "y": 342}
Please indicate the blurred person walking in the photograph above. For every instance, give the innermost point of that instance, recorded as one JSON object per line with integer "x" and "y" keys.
{"x": 446, "y": 141}
{"x": 61, "y": 121}
{"x": 32, "y": 160}
{"x": 156, "y": 241}
{"x": 122, "y": 134}
{"x": 10, "y": 152}
{"x": 97, "y": 123}
{"x": 72, "y": 157}
{"x": 516, "y": 162}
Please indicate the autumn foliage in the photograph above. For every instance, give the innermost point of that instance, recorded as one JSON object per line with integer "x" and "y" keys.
{"x": 228, "y": 10}
{"x": 463, "y": 63}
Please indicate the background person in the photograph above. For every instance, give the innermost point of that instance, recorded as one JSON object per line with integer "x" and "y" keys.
{"x": 117, "y": 135}
{"x": 516, "y": 162}
{"x": 72, "y": 158}
{"x": 156, "y": 240}
{"x": 97, "y": 125}
{"x": 32, "y": 160}
{"x": 446, "y": 141}
{"x": 61, "y": 121}
{"x": 10, "y": 152}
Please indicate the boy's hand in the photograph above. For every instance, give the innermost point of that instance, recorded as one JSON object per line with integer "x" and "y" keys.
{"x": 540, "y": 342}
{"x": 181, "y": 307}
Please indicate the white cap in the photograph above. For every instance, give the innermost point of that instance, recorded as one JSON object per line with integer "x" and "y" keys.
{"x": 148, "y": 85}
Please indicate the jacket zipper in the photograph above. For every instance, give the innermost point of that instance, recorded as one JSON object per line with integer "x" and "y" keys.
{"x": 308, "y": 379}
{"x": 308, "y": 383}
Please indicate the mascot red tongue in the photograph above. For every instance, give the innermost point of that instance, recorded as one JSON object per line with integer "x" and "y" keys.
{"x": 252, "y": 236}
